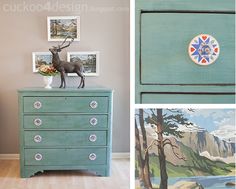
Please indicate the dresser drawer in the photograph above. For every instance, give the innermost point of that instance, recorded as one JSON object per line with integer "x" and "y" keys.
{"x": 64, "y": 138}
{"x": 88, "y": 122}
{"x": 65, "y": 104}
{"x": 65, "y": 157}
{"x": 165, "y": 37}
{"x": 175, "y": 98}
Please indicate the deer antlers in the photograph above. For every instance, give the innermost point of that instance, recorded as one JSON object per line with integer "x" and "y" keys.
{"x": 60, "y": 47}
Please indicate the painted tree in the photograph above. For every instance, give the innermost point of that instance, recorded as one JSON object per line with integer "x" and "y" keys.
{"x": 54, "y": 27}
{"x": 143, "y": 158}
{"x": 165, "y": 124}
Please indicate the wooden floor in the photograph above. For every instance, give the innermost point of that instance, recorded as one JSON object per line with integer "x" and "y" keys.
{"x": 10, "y": 178}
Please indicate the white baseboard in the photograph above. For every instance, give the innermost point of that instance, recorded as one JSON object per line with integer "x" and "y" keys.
{"x": 120, "y": 155}
{"x": 17, "y": 156}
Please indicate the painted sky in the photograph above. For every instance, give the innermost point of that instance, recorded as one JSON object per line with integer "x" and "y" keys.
{"x": 220, "y": 122}
{"x": 66, "y": 22}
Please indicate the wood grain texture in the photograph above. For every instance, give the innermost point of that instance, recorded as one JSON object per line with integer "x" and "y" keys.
{"x": 10, "y": 178}
{"x": 65, "y": 138}
{"x": 201, "y": 5}
{"x": 187, "y": 98}
{"x": 66, "y": 104}
{"x": 61, "y": 141}
{"x": 78, "y": 157}
{"x": 163, "y": 31}
{"x": 66, "y": 121}
{"x": 165, "y": 38}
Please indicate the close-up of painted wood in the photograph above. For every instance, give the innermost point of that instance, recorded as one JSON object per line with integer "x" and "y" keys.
{"x": 185, "y": 51}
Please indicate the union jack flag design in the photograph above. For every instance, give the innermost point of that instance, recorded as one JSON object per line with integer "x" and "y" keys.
{"x": 204, "y": 49}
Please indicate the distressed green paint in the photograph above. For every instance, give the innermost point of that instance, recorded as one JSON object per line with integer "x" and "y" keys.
{"x": 65, "y": 130}
{"x": 64, "y": 138}
{"x": 187, "y": 98}
{"x": 66, "y": 121}
{"x": 165, "y": 38}
{"x": 157, "y": 70}
{"x": 65, "y": 157}
{"x": 64, "y": 92}
{"x": 98, "y": 169}
{"x": 66, "y": 104}
{"x": 186, "y": 88}
{"x": 202, "y": 5}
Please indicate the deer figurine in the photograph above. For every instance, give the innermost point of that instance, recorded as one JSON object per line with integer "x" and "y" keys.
{"x": 67, "y": 67}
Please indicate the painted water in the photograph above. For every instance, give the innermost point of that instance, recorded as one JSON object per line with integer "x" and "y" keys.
{"x": 208, "y": 182}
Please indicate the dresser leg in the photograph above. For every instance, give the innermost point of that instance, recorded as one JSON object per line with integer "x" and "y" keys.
{"x": 28, "y": 172}
{"x": 103, "y": 172}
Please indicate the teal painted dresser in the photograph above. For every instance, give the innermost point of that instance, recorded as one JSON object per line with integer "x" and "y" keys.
{"x": 65, "y": 129}
{"x": 185, "y": 51}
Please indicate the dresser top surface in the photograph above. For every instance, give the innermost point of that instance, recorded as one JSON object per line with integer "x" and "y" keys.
{"x": 71, "y": 90}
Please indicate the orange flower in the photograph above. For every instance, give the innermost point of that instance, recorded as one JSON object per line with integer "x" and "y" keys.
{"x": 47, "y": 70}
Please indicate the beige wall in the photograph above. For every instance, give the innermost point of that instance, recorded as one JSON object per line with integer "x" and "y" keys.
{"x": 104, "y": 28}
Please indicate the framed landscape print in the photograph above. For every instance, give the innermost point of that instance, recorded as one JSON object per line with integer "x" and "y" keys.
{"x": 41, "y": 58}
{"x": 61, "y": 26}
{"x": 90, "y": 61}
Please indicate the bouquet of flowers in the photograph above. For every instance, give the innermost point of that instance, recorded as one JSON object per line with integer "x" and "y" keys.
{"x": 47, "y": 70}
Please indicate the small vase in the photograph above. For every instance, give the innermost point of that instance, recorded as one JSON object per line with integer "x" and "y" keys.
{"x": 47, "y": 81}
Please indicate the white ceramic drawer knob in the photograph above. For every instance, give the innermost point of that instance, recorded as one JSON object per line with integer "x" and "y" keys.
{"x": 92, "y": 138}
{"x": 93, "y": 121}
{"x": 37, "y": 104}
{"x": 92, "y": 156}
{"x": 37, "y": 122}
{"x": 204, "y": 49}
{"x": 38, "y": 157}
{"x": 93, "y": 104}
{"x": 37, "y": 138}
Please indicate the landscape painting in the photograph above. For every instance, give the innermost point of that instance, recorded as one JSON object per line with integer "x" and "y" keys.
{"x": 90, "y": 60}
{"x": 61, "y": 27}
{"x": 185, "y": 148}
{"x": 41, "y": 58}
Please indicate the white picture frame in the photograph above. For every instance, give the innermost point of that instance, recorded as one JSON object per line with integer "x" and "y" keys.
{"x": 90, "y": 61}
{"x": 58, "y": 27}
{"x": 40, "y": 58}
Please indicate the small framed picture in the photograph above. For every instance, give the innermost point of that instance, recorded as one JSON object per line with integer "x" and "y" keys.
{"x": 90, "y": 61}
{"x": 41, "y": 58}
{"x": 59, "y": 27}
